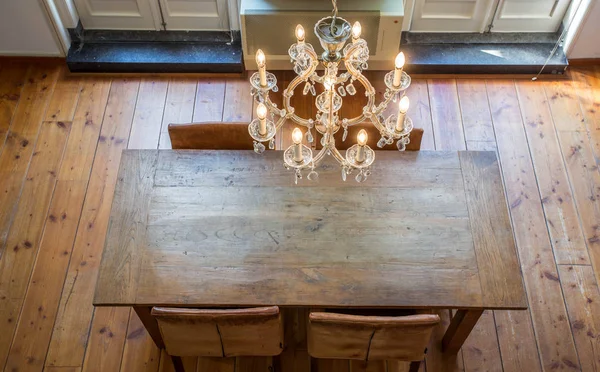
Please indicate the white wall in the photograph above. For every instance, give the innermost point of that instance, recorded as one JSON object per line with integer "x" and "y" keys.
{"x": 586, "y": 43}
{"x": 25, "y": 30}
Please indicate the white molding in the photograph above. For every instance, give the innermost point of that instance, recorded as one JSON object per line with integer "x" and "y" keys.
{"x": 28, "y": 53}
{"x": 156, "y": 14}
{"x": 409, "y": 5}
{"x": 578, "y": 21}
{"x": 60, "y": 33}
{"x": 233, "y": 9}
{"x": 68, "y": 12}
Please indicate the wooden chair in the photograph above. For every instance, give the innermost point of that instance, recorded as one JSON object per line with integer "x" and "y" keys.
{"x": 359, "y": 337}
{"x": 416, "y": 135}
{"x": 210, "y": 136}
{"x": 220, "y": 333}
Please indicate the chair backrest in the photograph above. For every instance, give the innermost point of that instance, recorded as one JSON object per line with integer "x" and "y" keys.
{"x": 210, "y": 136}
{"x": 221, "y": 333}
{"x": 342, "y": 336}
{"x": 416, "y": 135}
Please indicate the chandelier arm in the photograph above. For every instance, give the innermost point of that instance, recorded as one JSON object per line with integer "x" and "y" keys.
{"x": 289, "y": 91}
{"x": 273, "y": 107}
{"x": 320, "y": 155}
{"x": 383, "y": 105}
{"x": 337, "y": 155}
{"x": 287, "y": 96}
{"x": 379, "y": 125}
{"x": 357, "y": 75}
{"x": 279, "y": 123}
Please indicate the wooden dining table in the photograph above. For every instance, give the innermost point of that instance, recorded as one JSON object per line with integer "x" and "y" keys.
{"x": 199, "y": 229}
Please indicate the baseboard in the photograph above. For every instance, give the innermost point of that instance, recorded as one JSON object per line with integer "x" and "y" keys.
{"x": 584, "y": 61}
{"x": 32, "y": 58}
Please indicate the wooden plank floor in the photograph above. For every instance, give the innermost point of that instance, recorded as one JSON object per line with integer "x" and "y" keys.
{"x": 61, "y": 138}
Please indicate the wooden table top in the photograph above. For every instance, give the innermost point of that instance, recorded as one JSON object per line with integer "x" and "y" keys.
{"x": 230, "y": 228}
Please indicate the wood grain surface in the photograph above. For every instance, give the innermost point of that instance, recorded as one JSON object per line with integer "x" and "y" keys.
{"x": 56, "y": 326}
{"x": 258, "y": 242}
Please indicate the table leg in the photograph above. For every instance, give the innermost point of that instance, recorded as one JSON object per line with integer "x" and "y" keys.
{"x": 459, "y": 329}
{"x": 143, "y": 312}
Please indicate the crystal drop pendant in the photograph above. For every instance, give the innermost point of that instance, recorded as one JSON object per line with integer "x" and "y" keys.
{"x": 401, "y": 146}
{"x": 359, "y": 177}
{"x": 309, "y": 136}
{"x": 306, "y": 88}
{"x": 381, "y": 142}
{"x": 344, "y": 174}
{"x": 271, "y": 144}
{"x": 259, "y": 148}
{"x": 395, "y": 98}
{"x": 313, "y": 175}
{"x": 345, "y": 134}
{"x": 275, "y": 89}
{"x": 351, "y": 89}
{"x": 342, "y": 91}
{"x": 312, "y": 90}
{"x": 298, "y": 176}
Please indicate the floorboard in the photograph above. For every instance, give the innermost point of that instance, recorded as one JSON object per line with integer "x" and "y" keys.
{"x": 12, "y": 80}
{"x": 71, "y": 330}
{"x": 446, "y": 116}
{"x": 583, "y": 303}
{"x": 23, "y": 241}
{"x": 149, "y": 109}
{"x": 61, "y": 139}
{"x": 549, "y": 317}
{"x": 559, "y": 209}
{"x": 139, "y": 354}
{"x": 179, "y": 106}
{"x": 35, "y": 327}
{"x": 21, "y": 139}
{"x": 210, "y": 100}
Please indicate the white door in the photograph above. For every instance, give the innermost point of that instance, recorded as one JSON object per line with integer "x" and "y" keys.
{"x": 195, "y": 15}
{"x": 529, "y": 15}
{"x": 450, "y": 15}
{"x": 118, "y": 14}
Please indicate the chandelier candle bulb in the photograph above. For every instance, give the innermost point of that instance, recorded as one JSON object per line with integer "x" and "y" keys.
{"x": 262, "y": 67}
{"x": 297, "y": 139}
{"x": 356, "y": 30}
{"x": 261, "y": 113}
{"x": 402, "y": 109}
{"x": 300, "y": 34}
{"x": 361, "y": 138}
{"x": 398, "y": 70}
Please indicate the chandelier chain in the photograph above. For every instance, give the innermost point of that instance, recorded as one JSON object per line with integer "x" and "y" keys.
{"x": 335, "y": 14}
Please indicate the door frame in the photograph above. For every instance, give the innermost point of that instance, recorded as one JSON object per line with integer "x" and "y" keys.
{"x": 581, "y": 14}
{"x": 66, "y": 15}
{"x": 61, "y": 15}
{"x": 409, "y": 9}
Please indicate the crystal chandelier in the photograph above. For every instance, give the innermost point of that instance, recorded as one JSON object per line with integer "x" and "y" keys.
{"x": 333, "y": 32}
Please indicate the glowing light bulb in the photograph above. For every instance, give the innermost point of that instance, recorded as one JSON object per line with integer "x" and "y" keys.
{"x": 356, "y": 30}
{"x": 300, "y": 33}
{"x": 260, "y": 58}
{"x": 400, "y": 60}
{"x": 362, "y": 137}
{"x": 402, "y": 108}
{"x": 297, "y": 136}
{"x": 403, "y": 105}
{"x": 261, "y": 111}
